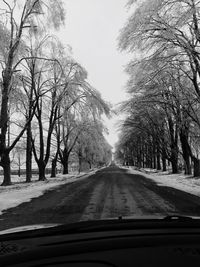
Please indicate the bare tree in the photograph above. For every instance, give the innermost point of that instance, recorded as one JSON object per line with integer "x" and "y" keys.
{"x": 14, "y": 31}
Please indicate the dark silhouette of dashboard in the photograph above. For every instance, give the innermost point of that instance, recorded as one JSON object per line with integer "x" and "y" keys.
{"x": 112, "y": 243}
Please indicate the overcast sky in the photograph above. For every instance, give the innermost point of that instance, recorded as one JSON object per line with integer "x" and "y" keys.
{"x": 92, "y": 28}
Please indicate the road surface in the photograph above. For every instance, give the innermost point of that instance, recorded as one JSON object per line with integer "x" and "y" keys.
{"x": 111, "y": 192}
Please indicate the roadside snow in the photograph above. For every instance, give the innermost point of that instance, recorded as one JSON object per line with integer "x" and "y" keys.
{"x": 186, "y": 183}
{"x": 13, "y": 195}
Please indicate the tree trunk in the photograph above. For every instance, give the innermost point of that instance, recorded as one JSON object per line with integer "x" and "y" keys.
{"x": 173, "y": 131}
{"x": 90, "y": 165}
{"x": 174, "y": 156}
{"x": 187, "y": 165}
{"x": 158, "y": 161}
{"x": 186, "y": 151}
{"x": 79, "y": 164}
{"x": 151, "y": 161}
{"x": 4, "y": 153}
{"x": 41, "y": 167}
{"x": 139, "y": 159}
{"x": 174, "y": 167}
{"x": 174, "y": 162}
{"x": 186, "y": 157}
{"x": 5, "y": 163}
{"x": 154, "y": 161}
{"x": 143, "y": 158}
{"x": 196, "y": 167}
{"x": 154, "y": 156}
{"x": 28, "y": 155}
{"x": 65, "y": 168}
{"x": 65, "y": 163}
{"x": 164, "y": 164}
{"x": 53, "y": 167}
{"x": 139, "y": 165}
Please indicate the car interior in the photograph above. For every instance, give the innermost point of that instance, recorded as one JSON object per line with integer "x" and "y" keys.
{"x": 166, "y": 242}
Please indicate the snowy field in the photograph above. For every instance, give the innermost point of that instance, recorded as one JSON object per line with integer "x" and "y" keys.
{"x": 19, "y": 192}
{"x": 186, "y": 183}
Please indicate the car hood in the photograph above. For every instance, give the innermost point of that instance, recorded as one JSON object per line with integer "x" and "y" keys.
{"x": 91, "y": 223}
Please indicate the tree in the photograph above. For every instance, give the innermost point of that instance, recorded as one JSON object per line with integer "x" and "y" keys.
{"x": 48, "y": 111}
{"x": 91, "y": 146}
{"x": 13, "y": 31}
{"x": 79, "y": 106}
{"x": 166, "y": 33}
{"x": 18, "y": 156}
{"x": 29, "y": 76}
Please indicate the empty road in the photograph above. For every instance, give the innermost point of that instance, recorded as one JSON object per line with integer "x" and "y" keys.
{"x": 111, "y": 192}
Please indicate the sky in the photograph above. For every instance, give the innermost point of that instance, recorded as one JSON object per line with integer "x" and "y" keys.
{"x": 91, "y": 29}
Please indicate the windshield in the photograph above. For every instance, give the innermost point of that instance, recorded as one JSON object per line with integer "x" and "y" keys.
{"x": 99, "y": 110}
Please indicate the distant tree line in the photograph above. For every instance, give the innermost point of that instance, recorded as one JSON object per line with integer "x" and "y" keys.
{"x": 47, "y": 107}
{"x": 162, "y": 124}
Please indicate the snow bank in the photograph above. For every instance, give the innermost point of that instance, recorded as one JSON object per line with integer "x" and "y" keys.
{"x": 13, "y": 195}
{"x": 186, "y": 183}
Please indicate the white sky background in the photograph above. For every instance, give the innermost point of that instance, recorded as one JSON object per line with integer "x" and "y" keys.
{"x": 92, "y": 28}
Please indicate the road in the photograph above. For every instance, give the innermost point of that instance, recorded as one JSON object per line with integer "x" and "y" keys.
{"x": 111, "y": 192}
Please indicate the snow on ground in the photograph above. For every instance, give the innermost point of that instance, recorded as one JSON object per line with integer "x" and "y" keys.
{"x": 186, "y": 183}
{"x": 19, "y": 192}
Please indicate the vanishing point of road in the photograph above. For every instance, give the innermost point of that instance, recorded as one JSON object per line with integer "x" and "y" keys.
{"x": 110, "y": 192}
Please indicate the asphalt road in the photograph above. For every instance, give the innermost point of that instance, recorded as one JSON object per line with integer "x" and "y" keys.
{"x": 111, "y": 192}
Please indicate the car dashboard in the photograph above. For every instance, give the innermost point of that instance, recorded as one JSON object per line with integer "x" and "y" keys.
{"x": 139, "y": 244}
